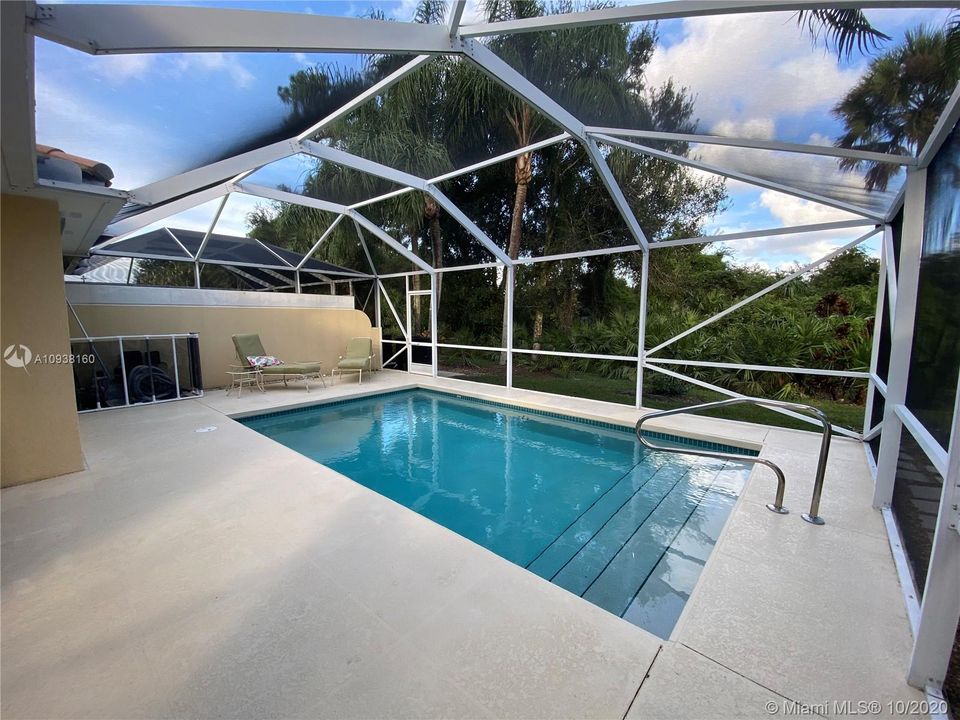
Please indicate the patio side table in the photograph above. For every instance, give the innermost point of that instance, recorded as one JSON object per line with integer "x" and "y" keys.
{"x": 242, "y": 376}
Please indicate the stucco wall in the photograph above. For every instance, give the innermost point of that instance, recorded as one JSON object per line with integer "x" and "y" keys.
{"x": 288, "y": 332}
{"x": 38, "y": 422}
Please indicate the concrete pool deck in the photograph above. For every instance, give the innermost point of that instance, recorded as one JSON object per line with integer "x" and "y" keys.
{"x": 220, "y": 574}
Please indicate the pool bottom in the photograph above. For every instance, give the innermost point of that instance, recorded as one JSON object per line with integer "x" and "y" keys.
{"x": 582, "y": 505}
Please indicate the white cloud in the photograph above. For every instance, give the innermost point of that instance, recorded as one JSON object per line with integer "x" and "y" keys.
{"x": 760, "y": 128}
{"x": 790, "y": 210}
{"x": 117, "y": 69}
{"x": 813, "y": 173}
{"x": 120, "y": 69}
{"x": 214, "y": 62}
{"x": 780, "y": 252}
{"x": 818, "y": 139}
{"x": 745, "y": 68}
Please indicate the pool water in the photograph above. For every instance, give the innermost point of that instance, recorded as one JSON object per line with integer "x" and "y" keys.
{"x": 587, "y": 508}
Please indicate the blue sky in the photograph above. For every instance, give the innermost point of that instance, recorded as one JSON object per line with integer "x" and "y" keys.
{"x": 150, "y": 116}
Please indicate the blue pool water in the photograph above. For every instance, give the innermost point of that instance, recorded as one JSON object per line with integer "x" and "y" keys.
{"x": 586, "y": 507}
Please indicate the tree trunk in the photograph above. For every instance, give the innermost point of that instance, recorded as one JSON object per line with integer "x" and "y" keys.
{"x": 414, "y": 281}
{"x": 537, "y": 329}
{"x": 522, "y": 174}
{"x": 432, "y": 212}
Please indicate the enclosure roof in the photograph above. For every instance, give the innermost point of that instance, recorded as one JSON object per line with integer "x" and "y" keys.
{"x": 180, "y": 245}
{"x": 793, "y": 158}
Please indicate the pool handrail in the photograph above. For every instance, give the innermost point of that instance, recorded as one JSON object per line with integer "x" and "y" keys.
{"x": 776, "y": 506}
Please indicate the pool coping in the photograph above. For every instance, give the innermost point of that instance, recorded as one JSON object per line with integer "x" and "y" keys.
{"x": 698, "y": 439}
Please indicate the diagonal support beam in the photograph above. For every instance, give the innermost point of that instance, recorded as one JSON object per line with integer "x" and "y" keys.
{"x": 318, "y": 243}
{"x": 371, "y": 92}
{"x": 289, "y": 197}
{"x": 770, "y": 288}
{"x": 730, "y": 393}
{"x": 502, "y": 73}
{"x": 376, "y": 169}
{"x": 242, "y": 165}
{"x": 756, "y": 144}
{"x": 366, "y": 250}
{"x": 177, "y": 241}
{"x": 938, "y": 136}
{"x": 213, "y": 224}
{"x": 125, "y": 227}
{"x": 370, "y": 167}
{"x": 613, "y": 187}
{"x": 317, "y": 204}
{"x": 743, "y": 177}
{"x": 468, "y": 224}
{"x": 388, "y": 239}
{"x": 283, "y": 260}
{"x": 509, "y": 155}
{"x": 396, "y": 316}
{"x": 514, "y": 82}
{"x": 218, "y": 172}
{"x": 795, "y": 229}
{"x": 469, "y": 168}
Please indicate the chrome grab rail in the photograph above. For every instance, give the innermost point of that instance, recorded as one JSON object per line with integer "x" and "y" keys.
{"x": 777, "y": 505}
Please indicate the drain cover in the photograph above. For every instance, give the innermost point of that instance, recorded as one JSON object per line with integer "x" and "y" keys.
{"x": 209, "y": 428}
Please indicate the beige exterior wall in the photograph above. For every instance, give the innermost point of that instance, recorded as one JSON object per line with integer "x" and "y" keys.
{"x": 39, "y": 429}
{"x": 289, "y": 333}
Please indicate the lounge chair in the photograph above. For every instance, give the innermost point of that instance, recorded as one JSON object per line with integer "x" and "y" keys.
{"x": 358, "y": 357}
{"x": 249, "y": 346}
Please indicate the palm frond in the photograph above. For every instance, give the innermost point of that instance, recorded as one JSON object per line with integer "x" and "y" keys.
{"x": 842, "y": 30}
{"x": 952, "y": 49}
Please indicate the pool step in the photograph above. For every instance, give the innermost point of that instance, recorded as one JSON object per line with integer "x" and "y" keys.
{"x": 553, "y": 558}
{"x": 616, "y": 585}
{"x": 643, "y": 544}
{"x": 660, "y": 600}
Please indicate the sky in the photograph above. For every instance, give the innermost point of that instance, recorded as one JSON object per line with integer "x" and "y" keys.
{"x": 151, "y": 116}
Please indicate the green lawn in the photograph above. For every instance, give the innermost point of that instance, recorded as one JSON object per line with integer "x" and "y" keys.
{"x": 623, "y": 392}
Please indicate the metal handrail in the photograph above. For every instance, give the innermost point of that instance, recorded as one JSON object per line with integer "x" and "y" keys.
{"x": 777, "y": 505}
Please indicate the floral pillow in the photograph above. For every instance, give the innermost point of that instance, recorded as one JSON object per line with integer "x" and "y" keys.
{"x": 259, "y": 361}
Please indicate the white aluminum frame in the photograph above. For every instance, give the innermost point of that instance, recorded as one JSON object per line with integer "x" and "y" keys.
{"x": 110, "y": 29}
{"x": 172, "y": 337}
{"x": 653, "y": 11}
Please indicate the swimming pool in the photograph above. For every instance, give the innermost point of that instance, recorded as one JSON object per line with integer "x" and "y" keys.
{"x": 581, "y": 504}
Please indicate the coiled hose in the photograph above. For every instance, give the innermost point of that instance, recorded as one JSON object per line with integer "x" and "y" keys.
{"x": 141, "y": 388}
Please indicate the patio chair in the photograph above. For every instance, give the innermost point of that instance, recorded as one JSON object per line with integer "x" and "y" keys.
{"x": 249, "y": 346}
{"x": 358, "y": 357}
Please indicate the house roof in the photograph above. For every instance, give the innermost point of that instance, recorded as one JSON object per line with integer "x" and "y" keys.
{"x": 93, "y": 169}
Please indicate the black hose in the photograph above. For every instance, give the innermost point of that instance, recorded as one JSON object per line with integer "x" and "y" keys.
{"x": 144, "y": 380}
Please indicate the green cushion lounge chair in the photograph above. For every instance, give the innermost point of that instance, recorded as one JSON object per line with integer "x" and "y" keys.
{"x": 358, "y": 357}
{"x": 249, "y": 346}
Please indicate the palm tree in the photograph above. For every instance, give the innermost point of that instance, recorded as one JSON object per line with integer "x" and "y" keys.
{"x": 586, "y": 70}
{"x": 895, "y": 105}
